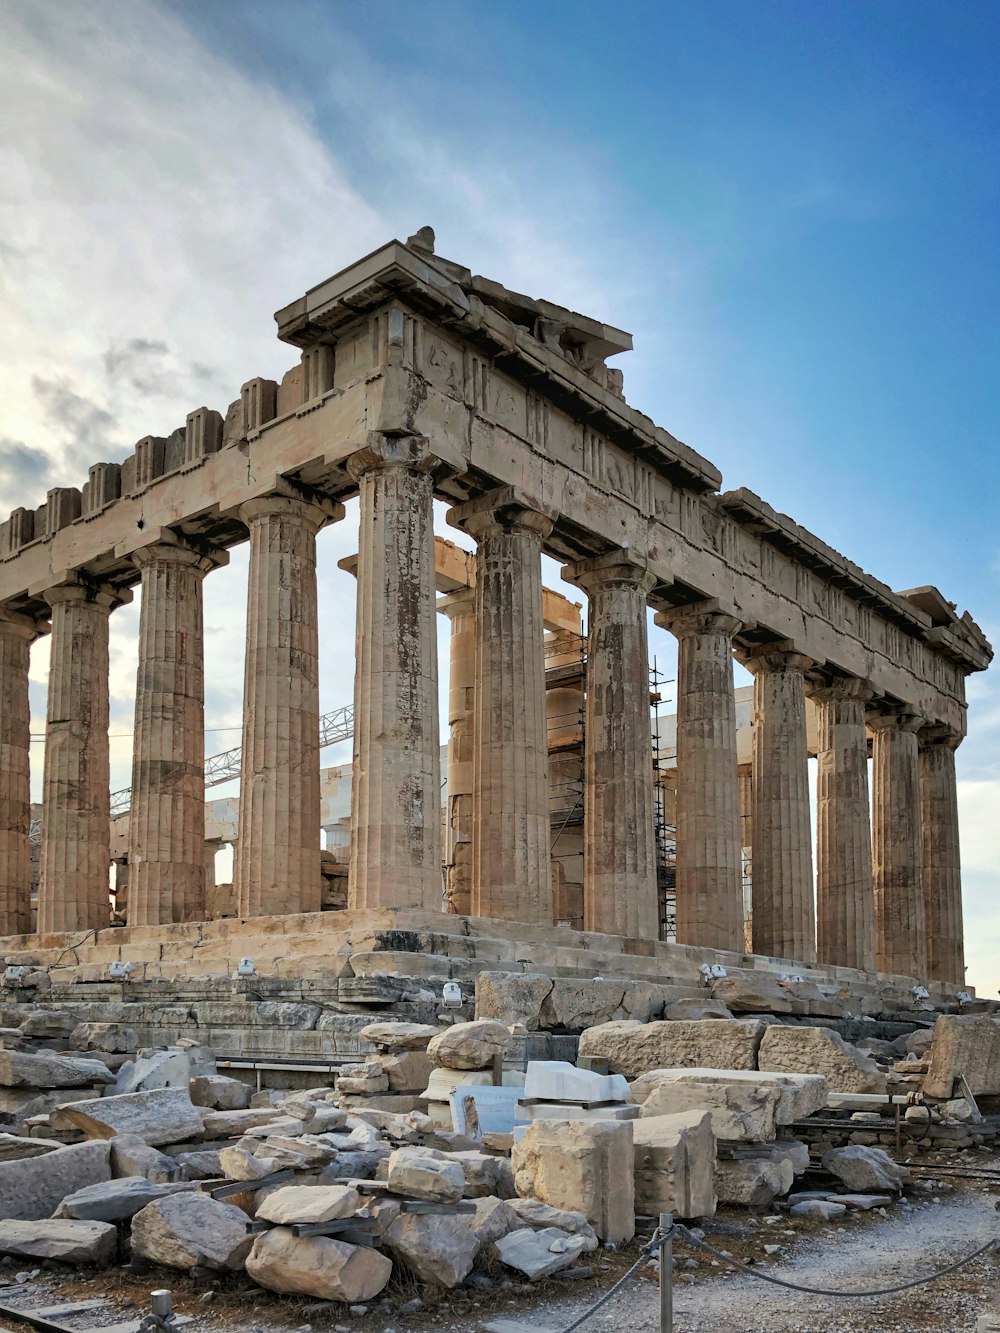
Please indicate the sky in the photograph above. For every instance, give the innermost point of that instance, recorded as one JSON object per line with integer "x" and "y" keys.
{"x": 791, "y": 206}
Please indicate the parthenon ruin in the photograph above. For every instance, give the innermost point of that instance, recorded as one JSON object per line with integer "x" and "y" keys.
{"x": 419, "y": 381}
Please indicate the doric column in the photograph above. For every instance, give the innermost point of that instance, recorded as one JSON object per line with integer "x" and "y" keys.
{"x": 460, "y": 608}
{"x": 845, "y": 904}
{"x": 897, "y": 850}
{"x": 942, "y": 868}
{"x": 619, "y": 847}
{"x": 709, "y": 864}
{"x": 74, "y": 887}
{"x": 396, "y": 793}
{"x": 167, "y": 818}
{"x": 277, "y": 854}
{"x": 784, "y": 918}
{"x": 511, "y": 877}
{"x": 16, "y": 636}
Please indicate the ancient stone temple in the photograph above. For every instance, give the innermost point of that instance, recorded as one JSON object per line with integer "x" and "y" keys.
{"x": 415, "y": 381}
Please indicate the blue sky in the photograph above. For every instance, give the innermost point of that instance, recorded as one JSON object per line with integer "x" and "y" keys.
{"x": 791, "y": 205}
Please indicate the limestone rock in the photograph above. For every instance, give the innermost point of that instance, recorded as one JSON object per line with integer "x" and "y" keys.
{"x": 48, "y": 1023}
{"x": 66, "y": 1241}
{"x": 866, "y": 1170}
{"x": 421, "y": 1175}
{"x": 318, "y": 1266}
{"x": 290, "y": 1204}
{"x": 538, "y": 1254}
{"x": 13, "y": 1147}
{"x": 756, "y": 993}
{"x": 587, "y": 1166}
{"x": 115, "y": 1038}
{"x": 966, "y": 1044}
{"x": 191, "y": 1230}
{"x": 220, "y": 1093}
{"x": 512, "y": 997}
{"x": 695, "y": 1010}
{"x": 468, "y": 1045}
{"x": 807, "y": 1050}
{"x": 485, "y": 1174}
{"x": 247, "y": 1161}
{"x": 825, "y": 1209}
{"x": 494, "y": 1219}
{"x": 752, "y": 1182}
{"x": 156, "y": 1069}
{"x": 161, "y": 1115}
{"x": 113, "y": 1200}
{"x": 714, "y": 1043}
{"x": 534, "y": 1213}
{"x": 574, "y": 1004}
{"x": 796, "y": 1096}
{"x": 362, "y": 1086}
{"x": 740, "y": 1112}
{"x": 19, "y": 1070}
{"x": 675, "y": 1164}
{"x": 407, "y": 1071}
{"x": 132, "y": 1157}
{"x": 435, "y": 1247}
{"x": 391, "y": 1036}
{"x": 230, "y": 1124}
{"x": 32, "y": 1188}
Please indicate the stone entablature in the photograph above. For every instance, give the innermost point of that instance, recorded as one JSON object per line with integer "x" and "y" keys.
{"x": 416, "y": 380}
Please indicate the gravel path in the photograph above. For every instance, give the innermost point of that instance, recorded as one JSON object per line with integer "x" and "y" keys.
{"x": 908, "y": 1244}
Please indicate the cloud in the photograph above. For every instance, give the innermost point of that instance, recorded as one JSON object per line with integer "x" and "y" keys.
{"x": 24, "y": 473}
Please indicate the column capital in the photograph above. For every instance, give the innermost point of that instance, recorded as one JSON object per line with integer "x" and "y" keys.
{"x": 14, "y": 625}
{"x": 836, "y": 689}
{"x": 508, "y": 508}
{"x": 705, "y": 617}
{"x": 461, "y": 602}
{"x": 415, "y": 453}
{"x": 311, "y": 508}
{"x": 939, "y": 737}
{"x": 615, "y": 568}
{"x": 172, "y": 549}
{"x": 780, "y": 656}
{"x": 899, "y": 718}
{"x": 104, "y": 595}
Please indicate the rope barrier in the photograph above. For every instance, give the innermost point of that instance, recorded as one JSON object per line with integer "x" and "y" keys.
{"x": 685, "y": 1235}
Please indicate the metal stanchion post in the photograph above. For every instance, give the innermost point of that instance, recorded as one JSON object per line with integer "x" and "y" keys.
{"x": 666, "y": 1273}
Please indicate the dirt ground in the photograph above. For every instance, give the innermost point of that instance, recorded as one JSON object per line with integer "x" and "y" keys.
{"x": 937, "y": 1225}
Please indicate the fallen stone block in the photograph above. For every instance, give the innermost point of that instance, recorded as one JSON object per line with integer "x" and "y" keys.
{"x": 536, "y": 1214}
{"x": 361, "y": 1087}
{"x": 757, "y": 993}
{"x": 191, "y": 1230}
{"x": 68, "y": 1242}
{"x": 587, "y": 1166}
{"x": 468, "y": 1045}
{"x": 20, "y": 1070}
{"x": 302, "y": 1204}
{"x": 675, "y": 1165}
{"x": 969, "y": 1045}
{"x": 864, "y": 1203}
{"x": 115, "y": 1038}
{"x": 14, "y": 1147}
{"x": 866, "y": 1170}
{"x": 539, "y": 1254}
{"x": 559, "y": 1081}
{"x": 157, "y": 1069}
{"x": 392, "y": 1036}
{"x": 799, "y": 1095}
{"x": 318, "y": 1266}
{"x": 485, "y": 1174}
{"x": 219, "y": 1093}
{"x": 42, "y": 1023}
{"x": 740, "y": 1112}
{"x": 161, "y": 1115}
{"x": 693, "y": 1010}
{"x": 246, "y": 1161}
{"x": 512, "y": 997}
{"x": 231, "y": 1124}
{"x": 113, "y": 1200}
{"x": 636, "y": 1048}
{"x": 32, "y": 1188}
{"x": 809, "y": 1050}
{"x": 435, "y": 1247}
{"x": 821, "y": 1208}
{"x": 494, "y": 1218}
{"x": 752, "y": 1182}
{"x": 407, "y": 1071}
{"x": 574, "y": 1004}
{"x": 425, "y": 1176}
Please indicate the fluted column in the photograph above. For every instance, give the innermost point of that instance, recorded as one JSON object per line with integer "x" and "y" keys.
{"x": 277, "y": 853}
{"x": 942, "y": 867}
{"x": 76, "y": 792}
{"x": 511, "y": 875}
{"x": 16, "y": 636}
{"x": 396, "y": 793}
{"x": 845, "y": 903}
{"x": 897, "y": 847}
{"x": 167, "y": 818}
{"x": 460, "y": 608}
{"x": 784, "y": 918}
{"x": 709, "y": 864}
{"x": 619, "y": 847}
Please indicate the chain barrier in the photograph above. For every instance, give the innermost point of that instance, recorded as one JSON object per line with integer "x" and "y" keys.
{"x": 668, "y": 1230}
